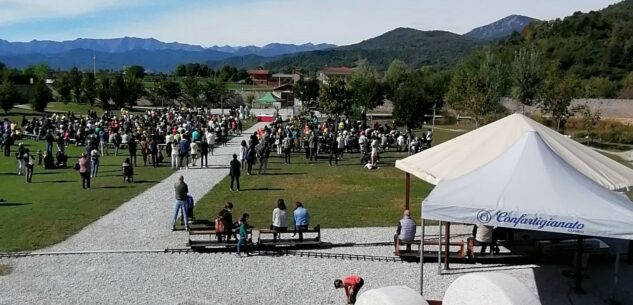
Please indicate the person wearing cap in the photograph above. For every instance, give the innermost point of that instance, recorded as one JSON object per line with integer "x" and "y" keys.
{"x": 406, "y": 230}
{"x": 351, "y": 284}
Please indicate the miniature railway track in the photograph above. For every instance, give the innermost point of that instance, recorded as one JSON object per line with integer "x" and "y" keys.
{"x": 258, "y": 251}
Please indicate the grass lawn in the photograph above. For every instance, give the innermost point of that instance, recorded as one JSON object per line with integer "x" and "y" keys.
{"x": 347, "y": 195}
{"x": 55, "y": 206}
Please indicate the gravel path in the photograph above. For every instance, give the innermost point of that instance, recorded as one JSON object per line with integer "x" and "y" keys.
{"x": 144, "y": 222}
{"x": 226, "y": 279}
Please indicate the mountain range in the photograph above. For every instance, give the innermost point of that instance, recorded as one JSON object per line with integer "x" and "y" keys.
{"x": 414, "y": 47}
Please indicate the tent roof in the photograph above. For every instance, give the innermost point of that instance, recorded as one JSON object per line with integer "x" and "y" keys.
{"x": 268, "y": 98}
{"x": 470, "y": 151}
{"x": 392, "y": 295}
{"x": 529, "y": 186}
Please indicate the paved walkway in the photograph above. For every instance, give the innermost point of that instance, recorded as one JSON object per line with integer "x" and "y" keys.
{"x": 144, "y": 222}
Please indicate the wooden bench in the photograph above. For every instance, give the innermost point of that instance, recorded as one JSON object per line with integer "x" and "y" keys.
{"x": 29, "y": 136}
{"x": 316, "y": 230}
{"x": 431, "y": 242}
{"x": 211, "y": 235}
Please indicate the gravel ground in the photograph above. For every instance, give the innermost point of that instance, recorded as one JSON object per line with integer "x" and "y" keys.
{"x": 144, "y": 222}
{"x": 155, "y": 278}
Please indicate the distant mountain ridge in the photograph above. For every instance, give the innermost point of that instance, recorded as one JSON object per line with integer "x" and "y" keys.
{"x": 126, "y": 44}
{"x": 501, "y": 28}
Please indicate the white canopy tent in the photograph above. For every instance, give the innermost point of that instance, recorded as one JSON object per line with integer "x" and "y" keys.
{"x": 517, "y": 173}
{"x": 470, "y": 151}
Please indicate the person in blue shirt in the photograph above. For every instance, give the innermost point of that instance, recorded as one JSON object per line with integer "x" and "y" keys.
{"x": 302, "y": 219}
{"x": 184, "y": 146}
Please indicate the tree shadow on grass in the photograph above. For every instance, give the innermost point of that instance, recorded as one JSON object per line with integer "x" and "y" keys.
{"x": 13, "y": 204}
{"x": 146, "y": 181}
{"x": 57, "y": 181}
{"x": 262, "y": 189}
{"x": 114, "y": 187}
{"x": 285, "y": 174}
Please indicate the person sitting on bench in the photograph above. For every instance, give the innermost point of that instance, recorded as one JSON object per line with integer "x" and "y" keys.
{"x": 482, "y": 236}
{"x": 302, "y": 218}
{"x": 405, "y": 231}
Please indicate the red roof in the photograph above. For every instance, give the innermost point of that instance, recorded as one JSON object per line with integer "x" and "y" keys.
{"x": 338, "y": 71}
{"x": 258, "y": 72}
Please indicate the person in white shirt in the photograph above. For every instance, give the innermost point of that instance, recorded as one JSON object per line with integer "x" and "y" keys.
{"x": 280, "y": 218}
{"x": 193, "y": 152}
{"x": 400, "y": 141}
{"x": 175, "y": 150}
{"x": 210, "y": 135}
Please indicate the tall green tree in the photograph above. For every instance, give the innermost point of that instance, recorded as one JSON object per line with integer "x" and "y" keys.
{"x": 104, "y": 91}
{"x": 334, "y": 98}
{"x": 476, "y": 87}
{"x": 366, "y": 92}
{"x": 40, "y": 95}
{"x": 167, "y": 89}
{"x": 411, "y": 103}
{"x": 556, "y": 97}
{"x": 74, "y": 79}
{"x": 9, "y": 96}
{"x": 396, "y": 74}
{"x": 192, "y": 91}
{"x": 89, "y": 89}
{"x": 307, "y": 91}
{"x": 63, "y": 87}
{"x": 118, "y": 91}
{"x": 527, "y": 72}
{"x": 135, "y": 72}
{"x": 215, "y": 93}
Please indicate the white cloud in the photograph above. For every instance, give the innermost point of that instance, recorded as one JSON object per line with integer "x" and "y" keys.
{"x": 16, "y": 11}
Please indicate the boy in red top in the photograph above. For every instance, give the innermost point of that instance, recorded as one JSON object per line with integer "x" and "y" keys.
{"x": 352, "y": 284}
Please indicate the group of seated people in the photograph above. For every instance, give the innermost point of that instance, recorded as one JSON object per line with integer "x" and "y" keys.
{"x": 482, "y": 236}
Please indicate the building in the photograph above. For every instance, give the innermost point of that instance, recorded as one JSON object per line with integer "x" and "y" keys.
{"x": 259, "y": 76}
{"x": 281, "y": 78}
{"x": 286, "y": 94}
{"x": 330, "y": 73}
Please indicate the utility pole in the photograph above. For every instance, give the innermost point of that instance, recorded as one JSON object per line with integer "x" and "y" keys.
{"x": 94, "y": 65}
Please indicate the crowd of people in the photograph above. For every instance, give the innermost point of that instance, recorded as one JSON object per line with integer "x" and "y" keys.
{"x": 188, "y": 136}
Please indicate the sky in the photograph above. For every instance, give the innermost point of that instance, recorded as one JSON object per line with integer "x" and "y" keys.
{"x": 258, "y": 22}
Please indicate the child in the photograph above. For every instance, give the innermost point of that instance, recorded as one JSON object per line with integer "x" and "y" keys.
{"x": 128, "y": 171}
{"x": 242, "y": 243}
{"x": 351, "y": 284}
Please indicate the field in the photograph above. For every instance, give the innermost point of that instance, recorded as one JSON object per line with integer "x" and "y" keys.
{"x": 347, "y": 195}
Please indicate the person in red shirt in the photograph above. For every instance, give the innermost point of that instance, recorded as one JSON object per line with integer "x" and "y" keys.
{"x": 352, "y": 284}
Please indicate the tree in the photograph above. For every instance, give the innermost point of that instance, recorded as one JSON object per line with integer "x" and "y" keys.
{"x": 476, "y": 88}
{"x": 63, "y": 87}
{"x": 307, "y": 91}
{"x": 396, "y": 74}
{"x": 89, "y": 90}
{"x": 599, "y": 87}
{"x": 9, "y": 96}
{"x": 334, "y": 98}
{"x": 556, "y": 98}
{"x": 135, "y": 72}
{"x": 526, "y": 75}
{"x": 191, "y": 90}
{"x": 215, "y": 93}
{"x": 74, "y": 79}
{"x": 589, "y": 119}
{"x": 410, "y": 101}
{"x": 104, "y": 91}
{"x": 118, "y": 91}
{"x": 366, "y": 92}
{"x": 167, "y": 89}
{"x": 40, "y": 96}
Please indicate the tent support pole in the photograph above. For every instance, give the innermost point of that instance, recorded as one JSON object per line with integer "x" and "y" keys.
{"x": 579, "y": 247}
{"x": 439, "y": 248}
{"x": 447, "y": 245}
{"x": 630, "y": 256}
{"x": 407, "y": 190}
{"x": 422, "y": 258}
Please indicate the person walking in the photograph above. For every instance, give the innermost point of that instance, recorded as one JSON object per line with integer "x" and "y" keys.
{"x": 243, "y": 153}
{"x": 153, "y": 150}
{"x": 252, "y": 156}
{"x": 236, "y": 168}
{"x": 286, "y": 145}
{"x": 242, "y": 243}
{"x": 333, "y": 151}
{"x": 351, "y": 284}
{"x": 184, "y": 148}
{"x": 94, "y": 158}
{"x": 127, "y": 170}
{"x": 204, "y": 153}
{"x": 19, "y": 156}
{"x": 193, "y": 152}
{"x": 144, "y": 150}
{"x": 264, "y": 154}
{"x": 30, "y": 164}
{"x": 132, "y": 147}
{"x": 181, "y": 189}
{"x": 84, "y": 170}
